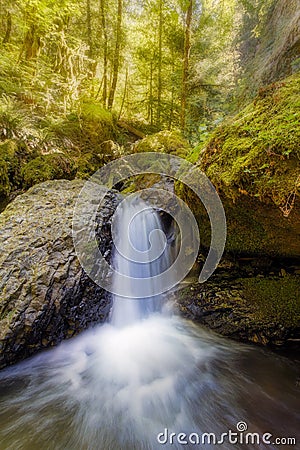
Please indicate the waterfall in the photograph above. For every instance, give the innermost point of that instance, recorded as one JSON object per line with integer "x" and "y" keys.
{"x": 139, "y": 232}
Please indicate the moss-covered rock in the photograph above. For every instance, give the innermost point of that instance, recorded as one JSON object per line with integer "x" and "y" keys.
{"x": 171, "y": 142}
{"x": 257, "y": 153}
{"x": 87, "y": 165}
{"x": 275, "y": 299}
{"x": 254, "y": 162}
{"x": 11, "y": 158}
{"x": 253, "y": 228}
{"x": 262, "y": 310}
{"x": 48, "y": 167}
{"x": 5, "y": 186}
{"x": 85, "y": 131}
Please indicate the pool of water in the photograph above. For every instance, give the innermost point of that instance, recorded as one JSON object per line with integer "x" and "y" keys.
{"x": 118, "y": 388}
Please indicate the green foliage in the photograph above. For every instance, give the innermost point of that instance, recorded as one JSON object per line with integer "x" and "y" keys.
{"x": 84, "y": 131}
{"x": 14, "y": 122}
{"x": 9, "y": 154}
{"x": 11, "y": 75}
{"x": 58, "y": 58}
{"x": 275, "y": 299}
{"x": 92, "y": 110}
{"x": 166, "y": 142}
{"x": 4, "y": 179}
{"x": 54, "y": 54}
{"x": 87, "y": 165}
{"x": 13, "y": 154}
{"x": 48, "y": 167}
{"x": 32, "y": 142}
{"x": 214, "y": 65}
{"x": 256, "y": 153}
{"x": 29, "y": 131}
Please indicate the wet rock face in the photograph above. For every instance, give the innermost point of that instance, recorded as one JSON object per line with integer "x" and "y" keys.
{"x": 248, "y": 302}
{"x": 45, "y": 296}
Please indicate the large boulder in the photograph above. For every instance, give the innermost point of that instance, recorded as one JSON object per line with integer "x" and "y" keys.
{"x": 249, "y": 301}
{"x": 45, "y": 296}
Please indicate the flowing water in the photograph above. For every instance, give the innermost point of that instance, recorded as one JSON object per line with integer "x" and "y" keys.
{"x": 146, "y": 372}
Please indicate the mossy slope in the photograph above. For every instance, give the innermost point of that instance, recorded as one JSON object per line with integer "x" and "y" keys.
{"x": 253, "y": 161}
{"x": 39, "y": 149}
{"x": 257, "y": 152}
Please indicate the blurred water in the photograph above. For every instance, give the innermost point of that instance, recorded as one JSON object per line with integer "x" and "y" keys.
{"x": 143, "y": 253}
{"x": 117, "y": 387}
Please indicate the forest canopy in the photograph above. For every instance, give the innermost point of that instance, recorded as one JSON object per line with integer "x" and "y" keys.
{"x": 73, "y": 74}
{"x": 165, "y": 64}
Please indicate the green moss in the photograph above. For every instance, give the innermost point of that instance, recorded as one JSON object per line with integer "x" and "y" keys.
{"x": 193, "y": 155}
{"x": 276, "y": 300}
{"x": 14, "y": 154}
{"x": 9, "y": 167}
{"x": 85, "y": 131}
{"x": 171, "y": 142}
{"x": 87, "y": 165}
{"x": 257, "y": 153}
{"x": 5, "y": 186}
{"x": 8, "y": 150}
{"x": 48, "y": 167}
{"x": 9, "y": 153}
{"x": 84, "y": 137}
{"x": 91, "y": 110}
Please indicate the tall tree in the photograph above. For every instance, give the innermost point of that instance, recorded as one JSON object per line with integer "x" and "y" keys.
{"x": 8, "y": 28}
{"x": 116, "y": 59}
{"x": 186, "y": 60}
{"x": 160, "y": 37}
{"x": 89, "y": 28}
{"x": 105, "y": 52}
{"x": 32, "y": 39}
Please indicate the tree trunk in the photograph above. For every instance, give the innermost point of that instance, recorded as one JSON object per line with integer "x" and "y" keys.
{"x": 151, "y": 94}
{"x": 124, "y": 95}
{"x": 159, "y": 89}
{"x": 8, "y": 28}
{"x": 91, "y": 53}
{"x": 116, "y": 62}
{"x": 89, "y": 28}
{"x": 131, "y": 129}
{"x": 32, "y": 44}
{"x": 186, "y": 60}
{"x": 105, "y": 52}
{"x": 171, "y": 116}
